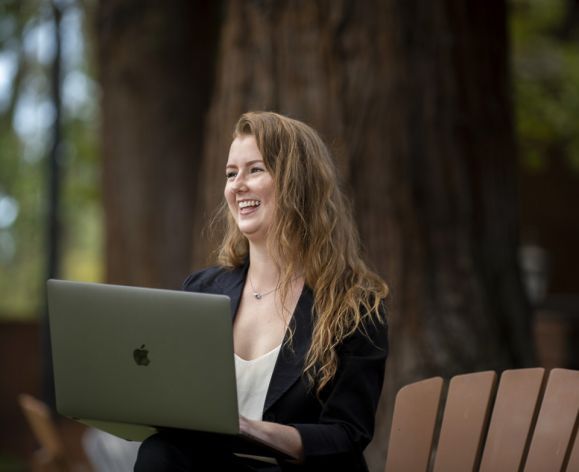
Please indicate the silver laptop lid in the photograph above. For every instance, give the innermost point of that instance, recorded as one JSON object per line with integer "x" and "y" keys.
{"x": 142, "y": 356}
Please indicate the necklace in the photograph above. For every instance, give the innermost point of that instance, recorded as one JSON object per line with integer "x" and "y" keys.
{"x": 259, "y": 295}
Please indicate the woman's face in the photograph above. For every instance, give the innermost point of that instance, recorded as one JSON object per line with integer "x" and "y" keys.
{"x": 249, "y": 190}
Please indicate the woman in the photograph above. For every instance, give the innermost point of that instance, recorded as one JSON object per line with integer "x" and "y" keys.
{"x": 309, "y": 329}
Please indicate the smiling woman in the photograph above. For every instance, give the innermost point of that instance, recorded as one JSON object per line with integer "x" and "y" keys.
{"x": 309, "y": 329}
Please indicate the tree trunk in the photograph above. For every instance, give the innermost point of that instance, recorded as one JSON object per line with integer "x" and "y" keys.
{"x": 413, "y": 97}
{"x": 156, "y": 71}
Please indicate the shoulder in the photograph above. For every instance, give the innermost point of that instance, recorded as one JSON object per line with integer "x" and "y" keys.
{"x": 215, "y": 279}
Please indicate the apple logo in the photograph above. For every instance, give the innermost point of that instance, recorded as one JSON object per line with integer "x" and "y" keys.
{"x": 141, "y": 356}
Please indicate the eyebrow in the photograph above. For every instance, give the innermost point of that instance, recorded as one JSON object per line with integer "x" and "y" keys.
{"x": 247, "y": 163}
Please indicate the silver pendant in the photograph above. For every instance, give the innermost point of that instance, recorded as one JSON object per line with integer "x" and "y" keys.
{"x": 257, "y": 295}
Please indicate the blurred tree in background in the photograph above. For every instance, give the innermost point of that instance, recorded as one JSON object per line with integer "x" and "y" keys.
{"x": 545, "y": 68}
{"x": 415, "y": 98}
{"x": 27, "y": 113}
{"x": 156, "y": 62}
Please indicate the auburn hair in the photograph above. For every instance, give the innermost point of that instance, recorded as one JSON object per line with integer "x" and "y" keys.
{"x": 312, "y": 233}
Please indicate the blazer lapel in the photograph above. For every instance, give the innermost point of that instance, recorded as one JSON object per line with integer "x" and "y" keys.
{"x": 231, "y": 284}
{"x": 290, "y": 361}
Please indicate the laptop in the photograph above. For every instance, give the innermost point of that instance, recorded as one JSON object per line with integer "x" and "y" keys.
{"x": 130, "y": 360}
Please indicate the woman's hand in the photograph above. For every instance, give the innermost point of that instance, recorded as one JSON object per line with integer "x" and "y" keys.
{"x": 246, "y": 425}
{"x": 287, "y": 438}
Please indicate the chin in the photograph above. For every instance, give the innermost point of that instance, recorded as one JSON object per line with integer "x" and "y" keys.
{"x": 253, "y": 236}
{"x": 247, "y": 231}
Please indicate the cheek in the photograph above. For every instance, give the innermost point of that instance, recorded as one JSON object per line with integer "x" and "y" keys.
{"x": 268, "y": 190}
{"x": 230, "y": 199}
{"x": 227, "y": 193}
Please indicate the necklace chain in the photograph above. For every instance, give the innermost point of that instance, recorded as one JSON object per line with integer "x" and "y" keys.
{"x": 259, "y": 295}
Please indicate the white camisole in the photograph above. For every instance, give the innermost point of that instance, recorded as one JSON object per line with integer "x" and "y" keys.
{"x": 253, "y": 381}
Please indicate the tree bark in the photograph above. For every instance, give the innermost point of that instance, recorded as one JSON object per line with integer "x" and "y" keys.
{"x": 156, "y": 69}
{"x": 413, "y": 97}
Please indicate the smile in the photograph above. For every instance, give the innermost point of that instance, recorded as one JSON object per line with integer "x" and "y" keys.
{"x": 249, "y": 203}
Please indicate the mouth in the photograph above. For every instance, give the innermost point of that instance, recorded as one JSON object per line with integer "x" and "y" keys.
{"x": 248, "y": 206}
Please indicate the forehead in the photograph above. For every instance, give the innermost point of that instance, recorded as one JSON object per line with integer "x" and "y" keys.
{"x": 243, "y": 150}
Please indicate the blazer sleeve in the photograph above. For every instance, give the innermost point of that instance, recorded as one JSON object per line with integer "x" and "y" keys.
{"x": 346, "y": 423}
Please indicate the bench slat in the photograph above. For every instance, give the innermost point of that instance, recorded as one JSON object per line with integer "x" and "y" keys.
{"x": 413, "y": 422}
{"x": 512, "y": 419}
{"x": 556, "y": 422}
{"x": 465, "y": 418}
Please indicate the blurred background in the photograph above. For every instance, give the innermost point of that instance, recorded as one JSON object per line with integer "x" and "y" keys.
{"x": 454, "y": 125}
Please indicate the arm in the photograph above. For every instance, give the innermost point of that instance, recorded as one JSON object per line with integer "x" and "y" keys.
{"x": 285, "y": 437}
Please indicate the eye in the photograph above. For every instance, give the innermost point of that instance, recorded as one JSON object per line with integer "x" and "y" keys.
{"x": 230, "y": 174}
{"x": 257, "y": 169}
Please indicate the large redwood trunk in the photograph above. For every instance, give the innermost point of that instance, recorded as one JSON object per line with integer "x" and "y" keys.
{"x": 156, "y": 69}
{"x": 414, "y": 99}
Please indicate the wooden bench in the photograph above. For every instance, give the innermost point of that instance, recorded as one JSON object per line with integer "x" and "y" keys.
{"x": 524, "y": 422}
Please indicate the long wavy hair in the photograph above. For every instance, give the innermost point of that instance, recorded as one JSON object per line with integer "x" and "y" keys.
{"x": 312, "y": 233}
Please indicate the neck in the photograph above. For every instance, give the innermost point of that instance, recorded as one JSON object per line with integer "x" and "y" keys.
{"x": 262, "y": 269}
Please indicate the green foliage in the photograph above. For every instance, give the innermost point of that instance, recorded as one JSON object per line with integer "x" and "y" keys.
{"x": 546, "y": 74}
{"x": 26, "y": 116}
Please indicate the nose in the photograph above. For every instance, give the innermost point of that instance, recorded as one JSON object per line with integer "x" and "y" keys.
{"x": 239, "y": 184}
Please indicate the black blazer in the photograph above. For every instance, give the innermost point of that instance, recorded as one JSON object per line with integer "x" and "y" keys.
{"x": 337, "y": 427}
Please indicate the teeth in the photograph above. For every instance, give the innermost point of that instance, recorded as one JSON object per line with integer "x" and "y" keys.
{"x": 249, "y": 203}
